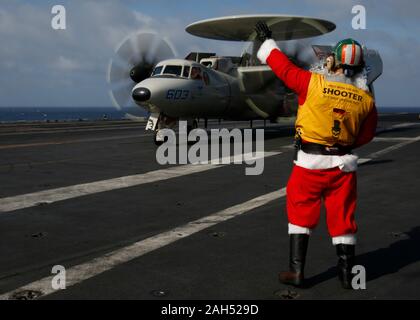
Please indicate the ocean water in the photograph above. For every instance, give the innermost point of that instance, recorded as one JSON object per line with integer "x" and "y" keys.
{"x": 399, "y": 110}
{"x": 9, "y": 114}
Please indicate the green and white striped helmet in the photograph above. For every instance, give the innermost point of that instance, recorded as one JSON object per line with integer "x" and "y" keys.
{"x": 348, "y": 52}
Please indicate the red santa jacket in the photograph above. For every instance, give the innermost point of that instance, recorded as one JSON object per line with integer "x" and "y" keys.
{"x": 298, "y": 79}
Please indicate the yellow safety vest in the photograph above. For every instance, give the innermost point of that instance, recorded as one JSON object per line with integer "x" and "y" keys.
{"x": 332, "y": 112}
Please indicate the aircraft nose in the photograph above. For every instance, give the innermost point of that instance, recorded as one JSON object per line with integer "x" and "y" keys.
{"x": 141, "y": 94}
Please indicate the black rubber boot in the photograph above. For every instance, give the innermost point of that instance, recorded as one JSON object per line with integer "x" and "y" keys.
{"x": 346, "y": 254}
{"x": 298, "y": 248}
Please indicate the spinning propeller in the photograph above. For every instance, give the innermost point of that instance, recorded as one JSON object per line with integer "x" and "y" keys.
{"x": 133, "y": 62}
{"x": 300, "y": 52}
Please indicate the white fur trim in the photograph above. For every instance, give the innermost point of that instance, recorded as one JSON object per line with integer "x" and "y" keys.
{"x": 346, "y": 163}
{"x": 266, "y": 49}
{"x": 345, "y": 239}
{"x": 294, "y": 229}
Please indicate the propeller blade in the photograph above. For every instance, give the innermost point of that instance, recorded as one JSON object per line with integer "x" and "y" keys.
{"x": 143, "y": 43}
{"x": 126, "y": 52}
{"x": 161, "y": 51}
{"x": 133, "y": 62}
{"x": 118, "y": 72}
{"x": 121, "y": 94}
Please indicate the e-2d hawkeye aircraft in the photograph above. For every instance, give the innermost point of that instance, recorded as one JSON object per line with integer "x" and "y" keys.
{"x": 207, "y": 86}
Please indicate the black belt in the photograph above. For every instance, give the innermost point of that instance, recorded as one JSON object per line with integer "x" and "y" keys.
{"x": 314, "y": 148}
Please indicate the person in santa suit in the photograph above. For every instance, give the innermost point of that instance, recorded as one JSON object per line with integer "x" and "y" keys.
{"x": 335, "y": 116}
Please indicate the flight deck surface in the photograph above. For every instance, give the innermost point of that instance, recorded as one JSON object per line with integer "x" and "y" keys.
{"x": 92, "y": 198}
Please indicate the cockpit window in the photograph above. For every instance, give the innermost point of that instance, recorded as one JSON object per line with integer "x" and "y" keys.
{"x": 208, "y": 64}
{"x": 175, "y": 70}
{"x": 157, "y": 71}
{"x": 186, "y": 71}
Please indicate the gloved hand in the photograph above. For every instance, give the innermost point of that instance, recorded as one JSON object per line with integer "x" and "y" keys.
{"x": 263, "y": 31}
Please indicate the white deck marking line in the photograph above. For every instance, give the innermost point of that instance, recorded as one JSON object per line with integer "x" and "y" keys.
{"x": 74, "y": 130}
{"x": 65, "y": 193}
{"x": 392, "y": 139}
{"x": 33, "y": 163}
{"x": 363, "y": 160}
{"x": 382, "y": 152}
{"x": 404, "y": 125}
{"x": 397, "y": 126}
{"x": 87, "y": 270}
{"x": 87, "y": 128}
{"x": 82, "y": 272}
{"x": 393, "y": 148}
{"x": 48, "y": 143}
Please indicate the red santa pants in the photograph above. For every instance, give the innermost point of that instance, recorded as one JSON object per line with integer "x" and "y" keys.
{"x": 306, "y": 189}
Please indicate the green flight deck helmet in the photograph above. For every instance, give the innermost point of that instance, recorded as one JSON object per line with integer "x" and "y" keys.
{"x": 348, "y": 53}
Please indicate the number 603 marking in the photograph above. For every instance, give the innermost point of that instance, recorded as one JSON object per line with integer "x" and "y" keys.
{"x": 177, "y": 94}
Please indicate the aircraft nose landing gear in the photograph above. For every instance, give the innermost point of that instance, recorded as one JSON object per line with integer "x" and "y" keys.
{"x": 169, "y": 123}
{"x": 159, "y": 139}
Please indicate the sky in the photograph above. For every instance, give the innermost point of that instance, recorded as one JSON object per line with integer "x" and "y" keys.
{"x": 40, "y": 66}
